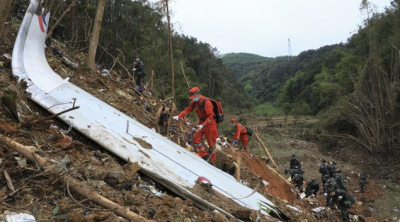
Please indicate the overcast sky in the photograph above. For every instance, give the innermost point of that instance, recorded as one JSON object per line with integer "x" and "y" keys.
{"x": 263, "y": 26}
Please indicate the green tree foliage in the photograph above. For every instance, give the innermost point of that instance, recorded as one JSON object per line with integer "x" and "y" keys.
{"x": 354, "y": 83}
{"x": 287, "y": 108}
{"x": 367, "y": 113}
{"x": 301, "y": 108}
{"x": 137, "y": 27}
{"x": 248, "y": 88}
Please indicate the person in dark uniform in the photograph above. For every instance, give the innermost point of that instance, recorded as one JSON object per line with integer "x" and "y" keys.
{"x": 323, "y": 170}
{"x": 340, "y": 181}
{"x": 312, "y": 188}
{"x": 330, "y": 189}
{"x": 345, "y": 202}
{"x": 363, "y": 180}
{"x": 298, "y": 181}
{"x": 295, "y": 163}
{"x": 139, "y": 73}
{"x": 332, "y": 167}
{"x": 294, "y": 171}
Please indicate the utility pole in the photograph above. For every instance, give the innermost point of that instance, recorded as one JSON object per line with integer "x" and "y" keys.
{"x": 289, "y": 50}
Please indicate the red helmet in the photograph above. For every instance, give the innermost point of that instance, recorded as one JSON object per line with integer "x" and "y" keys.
{"x": 233, "y": 120}
{"x": 203, "y": 180}
{"x": 193, "y": 92}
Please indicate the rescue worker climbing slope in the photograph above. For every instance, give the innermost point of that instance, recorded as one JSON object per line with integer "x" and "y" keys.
{"x": 240, "y": 134}
{"x": 207, "y": 124}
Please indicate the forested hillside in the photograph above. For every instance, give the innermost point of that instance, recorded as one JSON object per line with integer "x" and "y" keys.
{"x": 131, "y": 28}
{"x": 242, "y": 63}
{"x": 354, "y": 83}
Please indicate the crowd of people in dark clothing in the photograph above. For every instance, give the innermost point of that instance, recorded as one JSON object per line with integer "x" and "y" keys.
{"x": 333, "y": 184}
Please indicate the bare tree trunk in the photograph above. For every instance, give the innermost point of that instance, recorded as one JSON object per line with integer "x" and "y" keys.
{"x": 94, "y": 39}
{"x": 183, "y": 71}
{"x": 4, "y": 9}
{"x": 152, "y": 76}
{"x": 170, "y": 52}
{"x": 49, "y": 33}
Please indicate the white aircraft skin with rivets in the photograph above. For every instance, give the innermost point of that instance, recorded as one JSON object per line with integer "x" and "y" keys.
{"x": 109, "y": 127}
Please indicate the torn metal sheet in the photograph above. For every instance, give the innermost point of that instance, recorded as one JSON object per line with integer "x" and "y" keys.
{"x": 109, "y": 127}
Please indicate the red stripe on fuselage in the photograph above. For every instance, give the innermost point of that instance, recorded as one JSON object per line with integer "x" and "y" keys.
{"x": 41, "y": 23}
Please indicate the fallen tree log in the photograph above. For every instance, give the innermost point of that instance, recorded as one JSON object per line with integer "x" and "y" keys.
{"x": 76, "y": 186}
{"x": 23, "y": 150}
{"x": 200, "y": 203}
{"x": 266, "y": 150}
{"x": 95, "y": 197}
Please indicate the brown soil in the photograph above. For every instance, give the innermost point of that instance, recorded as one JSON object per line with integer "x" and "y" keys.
{"x": 143, "y": 143}
{"x": 40, "y": 193}
{"x": 8, "y": 127}
{"x": 277, "y": 186}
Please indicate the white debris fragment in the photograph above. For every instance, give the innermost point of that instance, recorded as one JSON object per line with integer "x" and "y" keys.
{"x": 318, "y": 209}
{"x": 21, "y": 162}
{"x": 8, "y": 56}
{"x": 18, "y": 217}
{"x": 294, "y": 208}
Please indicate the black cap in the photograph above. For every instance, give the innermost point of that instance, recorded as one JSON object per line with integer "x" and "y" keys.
{"x": 323, "y": 160}
{"x": 339, "y": 171}
{"x": 138, "y": 56}
{"x": 293, "y": 155}
{"x": 334, "y": 162}
{"x": 327, "y": 177}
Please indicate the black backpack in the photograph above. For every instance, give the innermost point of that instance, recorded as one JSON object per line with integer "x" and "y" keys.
{"x": 249, "y": 131}
{"x": 323, "y": 169}
{"x": 349, "y": 202}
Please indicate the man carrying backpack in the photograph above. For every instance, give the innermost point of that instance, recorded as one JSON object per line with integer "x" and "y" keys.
{"x": 294, "y": 162}
{"x": 240, "y": 134}
{"x": 207, "y": 124}
{"x": 323, "y": 170}
{"x": 340, "y": 181}
{"x": 363, "y": 180}
{"x": 345, "y": 202}
{"x": 139, "y": 73}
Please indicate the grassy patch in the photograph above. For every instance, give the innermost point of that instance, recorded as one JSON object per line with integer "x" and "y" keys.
{"x": 391, "y": 203}
{"x": 269, "y": 109}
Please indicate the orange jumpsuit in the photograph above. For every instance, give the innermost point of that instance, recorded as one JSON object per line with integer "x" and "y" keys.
{"x": 241, "y": 134}
{"x": 210, "y": 131}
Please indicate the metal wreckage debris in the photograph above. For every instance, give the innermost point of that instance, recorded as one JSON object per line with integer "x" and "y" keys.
{"x": 161, "y": 159}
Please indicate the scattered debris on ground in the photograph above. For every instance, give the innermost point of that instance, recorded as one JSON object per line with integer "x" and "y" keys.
{"x": 71, "y": 178}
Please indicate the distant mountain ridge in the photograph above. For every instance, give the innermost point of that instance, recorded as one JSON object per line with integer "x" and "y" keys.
{"x": 242, "y": 63}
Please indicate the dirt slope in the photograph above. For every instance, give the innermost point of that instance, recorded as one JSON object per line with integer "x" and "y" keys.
{"x": 44, "y": 195}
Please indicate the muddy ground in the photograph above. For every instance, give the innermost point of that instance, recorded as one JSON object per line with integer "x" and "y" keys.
{"x": 380, "y": 202}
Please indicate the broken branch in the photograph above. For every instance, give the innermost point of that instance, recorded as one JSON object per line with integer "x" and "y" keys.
{"x": 50, "y": 32}
{"x": 52, "y": 116}
{"x": 75, "y": 185}
{"x": 21, "y": 149}
{"x": 116, "y": 59}
{"x": 266, "y": 150}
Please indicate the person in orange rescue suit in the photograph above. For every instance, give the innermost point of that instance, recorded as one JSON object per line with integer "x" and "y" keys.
{"x": 241, "y": 134}
{"x": 207, "y": 124}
